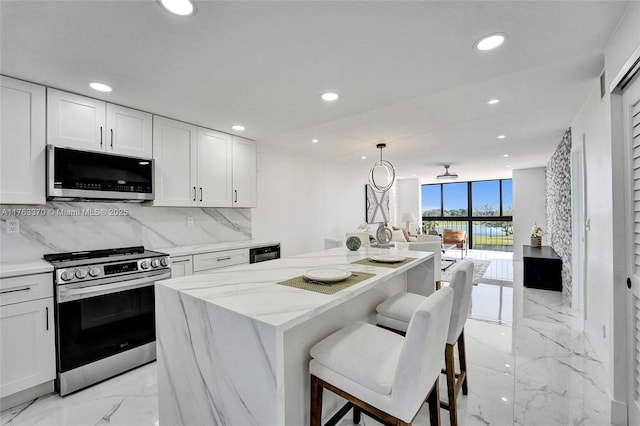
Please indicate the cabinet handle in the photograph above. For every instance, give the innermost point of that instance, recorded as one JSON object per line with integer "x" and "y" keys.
{"x": 111, "y": 138}
{"x": 200, "y": 193}
{"x": 236, "y": 193}
{"x": 194, "y": 193}
{"x": 220, "y": 259}
{"x": 47, "y": 312}
{"x": 100, "y": 136}
{"x": 181, "y": 261}
{"x": 15, "y": 290}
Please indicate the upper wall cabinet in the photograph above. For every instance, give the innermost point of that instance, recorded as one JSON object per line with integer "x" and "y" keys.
{"x": 22, "y": 142}
{"x": 192, "y": 165}
{"x": 244, "y": 173}
{"x": 89, "y": 124}
{"x": 214, "y": 168}
{"x": 174, "y": 150}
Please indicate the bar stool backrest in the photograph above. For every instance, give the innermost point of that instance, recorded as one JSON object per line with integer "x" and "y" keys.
{"x": 422, "y": 353}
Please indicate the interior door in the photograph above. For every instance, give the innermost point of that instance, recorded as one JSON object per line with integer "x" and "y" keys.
{"x": 631, "y": 128}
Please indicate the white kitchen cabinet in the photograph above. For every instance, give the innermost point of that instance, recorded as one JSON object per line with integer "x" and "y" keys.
{"x": 22, "y": 142}
{"x": 204, "y": 262}
{"x": 214, "y": 168}
{"x": 244, "y": 173}
{"x": 174, "y": 152}
{"x": 181, "y": 266}
{"x": 192, "y": 165}
{"x": 89, "y": 124}
{"x": 26, "y": 333}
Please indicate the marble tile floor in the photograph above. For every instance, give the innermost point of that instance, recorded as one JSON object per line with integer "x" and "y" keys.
{"x": 528, "y": 365}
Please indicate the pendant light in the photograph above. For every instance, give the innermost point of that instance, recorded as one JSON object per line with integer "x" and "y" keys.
{"x": 382, "y": 174}
{"x": 446, "y": 175}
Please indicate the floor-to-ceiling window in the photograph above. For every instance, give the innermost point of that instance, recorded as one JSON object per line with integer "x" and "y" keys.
{"x": 483, "y": 209}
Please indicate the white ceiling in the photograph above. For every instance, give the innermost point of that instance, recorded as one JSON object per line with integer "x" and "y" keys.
{"x": 407, "y": 72}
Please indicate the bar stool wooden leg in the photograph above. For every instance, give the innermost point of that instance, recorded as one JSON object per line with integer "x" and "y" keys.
{"x": 356, "y": 414}
{"x": 316, "y": 402}
{"x": 451, "y": 384}
{"x": 462, "y": 356}
{"x": 434, "y": 404}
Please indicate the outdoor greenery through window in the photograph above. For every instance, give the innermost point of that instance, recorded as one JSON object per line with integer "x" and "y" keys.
{"x": 447, "y": 206}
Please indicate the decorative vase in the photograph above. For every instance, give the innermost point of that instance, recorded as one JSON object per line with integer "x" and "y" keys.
{"x": 353, "y": 243}
{"x": 383, "y": 234}
{"x": 536, "y": 241}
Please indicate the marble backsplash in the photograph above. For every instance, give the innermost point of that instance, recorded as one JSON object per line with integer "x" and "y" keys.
{"x": 66, "y": 226}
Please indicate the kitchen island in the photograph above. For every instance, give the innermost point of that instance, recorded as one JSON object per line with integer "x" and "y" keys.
{"x": 233, "y": 345}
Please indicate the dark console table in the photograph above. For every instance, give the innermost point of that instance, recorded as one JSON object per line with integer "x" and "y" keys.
{"x": 542, "y": 268}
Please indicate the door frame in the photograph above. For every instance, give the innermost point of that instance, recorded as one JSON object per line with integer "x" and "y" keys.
{"x": 622, "y": 363}
{"x": 578, "y": 220}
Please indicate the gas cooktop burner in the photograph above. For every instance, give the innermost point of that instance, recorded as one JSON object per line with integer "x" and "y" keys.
{"x": 93, "y": 254}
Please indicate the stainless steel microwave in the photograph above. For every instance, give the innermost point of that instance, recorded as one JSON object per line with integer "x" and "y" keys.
{"x": 74, "y": 175}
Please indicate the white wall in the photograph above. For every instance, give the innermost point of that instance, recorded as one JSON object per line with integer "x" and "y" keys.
{"x": 408, "y": 201}
{"x": 529, "y": 195}
{"x": 605, "y": 294}
{"x": 302, "y": 200}
{"x": 592, "y": 122}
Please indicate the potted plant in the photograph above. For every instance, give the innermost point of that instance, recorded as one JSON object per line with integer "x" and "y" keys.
{"x": 536, "y": 236}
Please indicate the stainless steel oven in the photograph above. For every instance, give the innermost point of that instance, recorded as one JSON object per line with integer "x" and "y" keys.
{"x": 105, "y": 315}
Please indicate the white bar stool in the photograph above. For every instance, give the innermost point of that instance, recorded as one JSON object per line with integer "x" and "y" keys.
{"x": 395, "y": 313}
{"x": 381, "y": 373}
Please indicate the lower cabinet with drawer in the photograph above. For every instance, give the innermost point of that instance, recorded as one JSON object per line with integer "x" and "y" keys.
{"x": 27, "y": 345}
{"x": 181, "y": 266}
{"x": 207, "y": 261}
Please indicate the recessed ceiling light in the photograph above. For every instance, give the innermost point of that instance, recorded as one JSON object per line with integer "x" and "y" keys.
{"x": 239, "y": 127}
{"x": 101, "y": 87}
{"x": 490, "y": 41}
{"x": 504, "y": 399}
{"x": 179, "y": 7}
{"x": 330, "y": 96}
{"x": 509, "y": 166}
{"x": 493, "y": 101}
{"x": 314, "y": 140}
{"x": 505, "y": 155}
{"x": 501, "y": 137}
{"x": 364, "y": 157}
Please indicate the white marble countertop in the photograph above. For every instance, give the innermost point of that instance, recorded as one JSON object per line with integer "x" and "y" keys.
{"x": 15, "y": 269}
{"x": 207, "y": 248}
{"x": 252, "y": 290}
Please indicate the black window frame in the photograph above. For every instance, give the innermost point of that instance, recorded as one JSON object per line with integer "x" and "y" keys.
{"x": 469, "y": 218}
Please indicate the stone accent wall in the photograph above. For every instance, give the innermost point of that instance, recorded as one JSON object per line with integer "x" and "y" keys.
{"x": 558, "y": 232}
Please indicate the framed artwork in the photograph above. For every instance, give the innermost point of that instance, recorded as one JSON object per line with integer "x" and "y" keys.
{"x": 377, "y": 205}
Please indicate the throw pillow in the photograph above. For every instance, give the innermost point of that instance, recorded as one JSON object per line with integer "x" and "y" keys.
{"x": 405, "y": 233}
{"x": 397, "y": 235}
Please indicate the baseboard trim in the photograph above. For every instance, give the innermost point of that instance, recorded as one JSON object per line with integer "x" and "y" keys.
{"x": 619, "y": 413}
{"x": 26, "y": 395}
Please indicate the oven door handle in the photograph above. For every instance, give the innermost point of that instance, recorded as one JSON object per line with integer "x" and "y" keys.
{"x": 69, "y": 292}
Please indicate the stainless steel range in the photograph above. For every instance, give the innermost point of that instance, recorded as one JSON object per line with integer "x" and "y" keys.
{"x": 105, "y": 314}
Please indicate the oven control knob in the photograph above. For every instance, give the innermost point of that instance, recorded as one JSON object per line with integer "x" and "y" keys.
{"x": 81, "y": 273}
{"x": 94, "y": 272}
{"x": 66, "y": 275}
{"x": 144, "y": 264}
{"x": 164, "y": 261}
{"x": 155, "y": 263}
